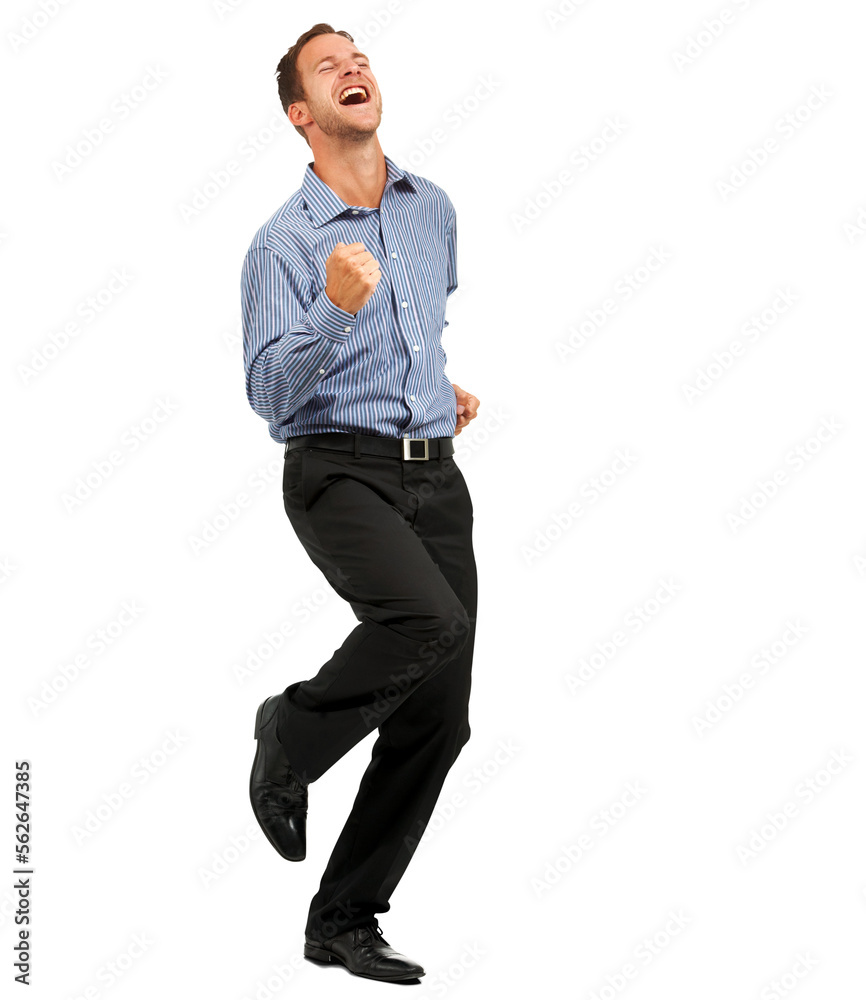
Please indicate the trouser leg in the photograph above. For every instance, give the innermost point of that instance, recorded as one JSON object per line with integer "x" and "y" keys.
{"x": 417, "y": 745}
{"x": 420, "y": 738}
{"x": 357, "y": 519}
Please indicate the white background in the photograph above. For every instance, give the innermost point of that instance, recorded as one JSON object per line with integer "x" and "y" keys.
{"x": 499, "y": 896}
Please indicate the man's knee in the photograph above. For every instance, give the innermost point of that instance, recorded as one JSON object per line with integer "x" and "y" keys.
{"x": 461, "y": 738}
{"x": 447, "y": 637}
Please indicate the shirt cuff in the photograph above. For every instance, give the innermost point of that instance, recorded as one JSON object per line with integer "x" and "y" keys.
{"x": 329, "y": 320}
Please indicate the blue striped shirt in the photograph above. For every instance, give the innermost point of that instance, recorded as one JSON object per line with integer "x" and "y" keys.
{"x": 311, "y": 366}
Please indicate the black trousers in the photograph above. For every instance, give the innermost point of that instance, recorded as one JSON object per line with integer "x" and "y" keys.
{"x": 394, "y": 539}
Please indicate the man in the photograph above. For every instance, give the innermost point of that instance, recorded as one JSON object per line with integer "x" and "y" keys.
{"x": 343, "y": 293}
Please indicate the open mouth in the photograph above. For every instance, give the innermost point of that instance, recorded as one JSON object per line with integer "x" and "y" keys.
{"x": 354, "y": 95}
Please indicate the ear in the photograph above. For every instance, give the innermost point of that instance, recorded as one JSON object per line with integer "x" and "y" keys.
{"x": 298, "y": 114}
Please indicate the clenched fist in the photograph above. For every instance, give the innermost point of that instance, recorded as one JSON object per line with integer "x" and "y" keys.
{"x": 352, "y": 276}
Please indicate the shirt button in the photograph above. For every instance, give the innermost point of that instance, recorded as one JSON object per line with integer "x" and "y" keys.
{"x": 405, "y": 305}
{"x": 393, "y": 253}
{"x": 347, "y": 329}
{"x": 354, "y": 211}
{"x": 415, "y": 347}
{"x": 411, "y": 397}
{"x": 321, "y": 371}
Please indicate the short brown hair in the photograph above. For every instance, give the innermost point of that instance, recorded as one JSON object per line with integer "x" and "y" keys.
{"x": 289, "y": 83}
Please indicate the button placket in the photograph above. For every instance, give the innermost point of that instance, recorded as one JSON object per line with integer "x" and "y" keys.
{"x": 408, "y": 338}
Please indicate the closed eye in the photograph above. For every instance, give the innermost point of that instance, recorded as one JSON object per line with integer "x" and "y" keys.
{"x": 324, "y": 68}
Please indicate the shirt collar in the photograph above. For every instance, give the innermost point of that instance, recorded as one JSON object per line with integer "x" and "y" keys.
{"x": 324, "y": 204}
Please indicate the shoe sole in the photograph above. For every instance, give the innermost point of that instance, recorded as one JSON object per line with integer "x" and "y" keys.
{"x": 259, "y": 714}
{"x": 324, "y": 957}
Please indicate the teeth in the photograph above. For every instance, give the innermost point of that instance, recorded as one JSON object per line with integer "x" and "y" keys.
{"x": 352, "y": 90}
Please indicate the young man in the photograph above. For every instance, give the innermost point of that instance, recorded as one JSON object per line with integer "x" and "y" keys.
{"x": 344, "y": 291}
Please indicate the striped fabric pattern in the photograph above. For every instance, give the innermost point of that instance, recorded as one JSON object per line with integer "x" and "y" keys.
{"x": 313, "y": 367}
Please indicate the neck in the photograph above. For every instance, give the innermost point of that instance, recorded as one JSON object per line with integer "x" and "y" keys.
{"x": 357, "y": 172}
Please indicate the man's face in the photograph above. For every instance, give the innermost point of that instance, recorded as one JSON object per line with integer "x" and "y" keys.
{"x": 329, "y": 65}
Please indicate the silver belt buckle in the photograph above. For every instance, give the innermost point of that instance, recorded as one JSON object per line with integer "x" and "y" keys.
{"x": 407, "y": 450}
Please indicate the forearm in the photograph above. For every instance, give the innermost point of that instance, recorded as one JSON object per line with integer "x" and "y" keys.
{"x": 287, "y": 374}
{"x": 288, "y": 350}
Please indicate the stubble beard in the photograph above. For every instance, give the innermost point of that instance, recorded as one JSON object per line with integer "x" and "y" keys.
{"x": 332, "y": 124}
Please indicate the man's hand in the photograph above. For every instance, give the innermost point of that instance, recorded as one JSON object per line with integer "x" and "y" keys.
{"x": 467, "y": 408}
{"x": 352, "y": 276}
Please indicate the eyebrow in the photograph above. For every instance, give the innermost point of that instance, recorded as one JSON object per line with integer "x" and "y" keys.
{"x": 333, "y": 58}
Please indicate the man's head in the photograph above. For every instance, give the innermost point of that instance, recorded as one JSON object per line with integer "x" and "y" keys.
{"x": 314, "y": 74}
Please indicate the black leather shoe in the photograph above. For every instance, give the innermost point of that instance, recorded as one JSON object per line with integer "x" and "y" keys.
{"x": 277, "y": 794}
{"x": 364, "y": 952}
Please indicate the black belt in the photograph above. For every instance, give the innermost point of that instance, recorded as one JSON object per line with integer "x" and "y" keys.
{"x": 409, "y": 449}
